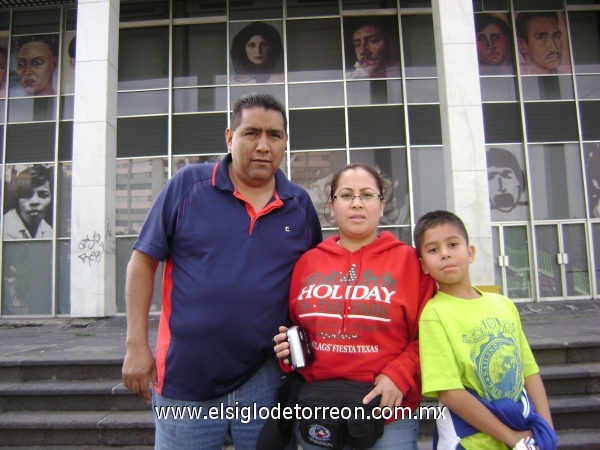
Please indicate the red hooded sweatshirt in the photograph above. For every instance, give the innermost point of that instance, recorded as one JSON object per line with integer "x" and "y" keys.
{"x": 361, "y": 311}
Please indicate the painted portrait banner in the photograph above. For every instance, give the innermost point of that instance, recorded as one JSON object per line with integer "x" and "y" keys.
{"x": 371, "y": 47}
{"x": 28, "y": 201}
{"x": 542, "y": 43}
{"x": 257, "y": 52}
{"x": 507, "y": 183}
{"x": 34, "y": 65}
{"x": 493, "y": 36}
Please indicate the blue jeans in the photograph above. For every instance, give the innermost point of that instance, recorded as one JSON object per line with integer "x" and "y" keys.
{"x": 401, "y": 435}
{"x": 209, "y": 433}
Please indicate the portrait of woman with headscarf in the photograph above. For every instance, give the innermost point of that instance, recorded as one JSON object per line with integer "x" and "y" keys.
{"x": 257, "y": 54}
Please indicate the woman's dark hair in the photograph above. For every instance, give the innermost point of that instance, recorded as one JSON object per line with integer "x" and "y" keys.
{"x": 241, "y": 63}
{"x": 353, "y": 166}
{"x": 483, "y": 20}
{"x": 50, "y": 40}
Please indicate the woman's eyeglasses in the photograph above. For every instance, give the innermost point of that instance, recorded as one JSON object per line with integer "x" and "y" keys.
{"x": 364, "y": 197}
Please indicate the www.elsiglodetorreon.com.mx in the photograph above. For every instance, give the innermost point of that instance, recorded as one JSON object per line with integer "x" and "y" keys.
{"x": 247, "y": 413}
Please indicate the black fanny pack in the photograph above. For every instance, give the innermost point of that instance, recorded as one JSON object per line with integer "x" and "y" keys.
{"x": 337, "y": 415}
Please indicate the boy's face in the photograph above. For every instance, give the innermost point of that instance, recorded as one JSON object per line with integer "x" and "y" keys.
{"x": 446, "y": 256}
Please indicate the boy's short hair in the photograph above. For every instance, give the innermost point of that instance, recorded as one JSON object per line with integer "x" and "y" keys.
{"x": 433, "y": 219}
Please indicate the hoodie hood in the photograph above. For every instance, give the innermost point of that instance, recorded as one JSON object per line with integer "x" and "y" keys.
{"x": 384, "y": 242}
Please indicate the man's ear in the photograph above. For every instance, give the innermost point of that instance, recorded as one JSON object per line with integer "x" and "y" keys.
{"x": 228, "y": 138}
{"x": 522, "y": 46}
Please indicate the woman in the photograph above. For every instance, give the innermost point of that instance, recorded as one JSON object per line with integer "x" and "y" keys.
{"x": 257, "y": 54}
{"x": 359, "y": 296}
{"x": 36, "y": 63}
{"x": 494, "y": 45}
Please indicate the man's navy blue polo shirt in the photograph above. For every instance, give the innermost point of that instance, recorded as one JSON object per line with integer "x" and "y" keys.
{"x": 226, "y": 276}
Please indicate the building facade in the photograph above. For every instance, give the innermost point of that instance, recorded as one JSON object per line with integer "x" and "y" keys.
{"x": 488, "y": 108}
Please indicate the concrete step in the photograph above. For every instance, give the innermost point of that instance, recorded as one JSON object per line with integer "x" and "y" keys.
{"x": 571, "y": 379}
{"x": 567, "y": 440}
{"x": 556, "y": 352}
{"x": 81, "y": 369}
{"x": 579, "y": 439}
{"x": 76, "y": 428}
{"x": 575, "y": 411}
{"x": 63, "y": 395}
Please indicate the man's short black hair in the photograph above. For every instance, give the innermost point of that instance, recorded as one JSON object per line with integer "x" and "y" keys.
{"x": 433, "y": 219}
{"x": 256, "y": 100}
{"x": 523, "y": 19}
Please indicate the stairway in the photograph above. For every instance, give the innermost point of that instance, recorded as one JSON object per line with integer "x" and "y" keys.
{"x": 70, "y": 404}
{"x": 65, "y": 404}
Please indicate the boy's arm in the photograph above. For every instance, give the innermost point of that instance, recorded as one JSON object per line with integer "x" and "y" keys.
{"x": 477, "y": 415}
{"x": 537, "y": 394}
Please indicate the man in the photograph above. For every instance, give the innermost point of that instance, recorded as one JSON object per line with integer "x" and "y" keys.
{"x": 33, "y": 199}
{"x": 540, "y": 42}
{"x": 375, "y": 50}
{"x": 230, "y": 234}
{"x": 506, "y": 182}
{"x": 36, "y": 62}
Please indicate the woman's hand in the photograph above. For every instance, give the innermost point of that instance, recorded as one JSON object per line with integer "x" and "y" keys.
{"x": 390, "y": 394}
{"x": 281, "y": 346}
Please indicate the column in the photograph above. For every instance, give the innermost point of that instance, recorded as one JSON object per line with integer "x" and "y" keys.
{"x": 94, "y": 159}
{"x": 462, "y": 129}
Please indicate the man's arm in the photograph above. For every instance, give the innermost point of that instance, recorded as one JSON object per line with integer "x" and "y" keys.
{"x": 477, "y": 415}
{"x": 139, "y": 367}
{"x": 537, "y": 394}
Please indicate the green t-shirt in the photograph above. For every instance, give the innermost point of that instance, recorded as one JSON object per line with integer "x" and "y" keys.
{"x": 478, "y": 344}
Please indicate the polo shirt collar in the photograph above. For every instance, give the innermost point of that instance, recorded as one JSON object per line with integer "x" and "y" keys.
{"x": 221, "y": 179}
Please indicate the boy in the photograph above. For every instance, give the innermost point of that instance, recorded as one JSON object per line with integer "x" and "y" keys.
{"x": 474, "y": 355}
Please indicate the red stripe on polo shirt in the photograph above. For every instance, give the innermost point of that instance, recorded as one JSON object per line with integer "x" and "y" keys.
{"x": 164, "y": 332}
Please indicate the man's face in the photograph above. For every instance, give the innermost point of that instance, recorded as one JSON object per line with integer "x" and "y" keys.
{"x": 543, "y": 51}
{"x": 371, "y": 49}
{"x": 35, "y": 67}
{"x": 504, "y": 188}
{"x": 257, "y": 146}
{"x": 32, "y": 209}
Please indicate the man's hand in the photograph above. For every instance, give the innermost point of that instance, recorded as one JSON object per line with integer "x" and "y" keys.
{"x": 139, "y": 370}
